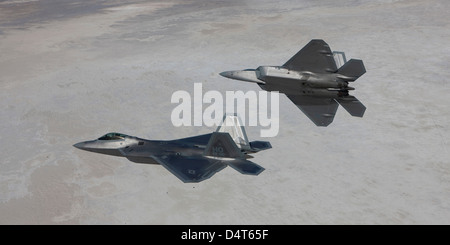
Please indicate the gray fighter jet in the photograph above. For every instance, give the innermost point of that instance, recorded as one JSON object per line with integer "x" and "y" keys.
{"x": 312, "y": 81}
{"x": 192, "y": 159}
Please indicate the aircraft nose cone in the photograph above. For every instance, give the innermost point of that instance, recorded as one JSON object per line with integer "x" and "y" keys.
{"x": 227, "y": 74}
{"x": 79, "y": 145}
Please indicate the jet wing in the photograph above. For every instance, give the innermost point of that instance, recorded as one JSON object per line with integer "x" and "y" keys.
{"x": 197, "y": 140}
{"x": 316, "y": 56}
{"x": 320, "y": 110}
{"x": 190, "y": 169}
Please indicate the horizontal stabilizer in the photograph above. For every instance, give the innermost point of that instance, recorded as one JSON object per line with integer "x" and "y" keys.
{"x": 352, "y": 105}
{"x": 352, "y": 69}
{"x": 260, "y": 145}
{"x": 245, "y": 166}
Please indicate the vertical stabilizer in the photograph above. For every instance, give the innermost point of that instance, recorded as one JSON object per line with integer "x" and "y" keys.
{"x": 223, "y": 148}
{"x": 231, "y": 124}
{"x": 221, "y": 145}
{"x": 339, "y": 58}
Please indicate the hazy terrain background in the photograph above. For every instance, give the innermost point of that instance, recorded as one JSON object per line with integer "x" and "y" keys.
{"x": 74, "y": 70}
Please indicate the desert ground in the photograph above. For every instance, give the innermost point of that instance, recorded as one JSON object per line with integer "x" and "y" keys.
{"x": 74, "y": 70}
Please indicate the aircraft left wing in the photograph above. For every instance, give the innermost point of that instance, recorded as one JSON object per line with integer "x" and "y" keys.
{"x": 190, "y": 169}
{"x": 320, "y": 110}
{"x": 316, "y": 56}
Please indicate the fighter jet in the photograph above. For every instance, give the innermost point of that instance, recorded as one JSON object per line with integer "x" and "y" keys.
{"x": 192, "y": 159}
{"x": 312, "y": 80}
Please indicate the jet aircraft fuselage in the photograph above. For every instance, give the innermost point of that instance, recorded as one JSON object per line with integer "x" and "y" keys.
{"x": 286, "y": 81}
{"x": 137, "y": 149}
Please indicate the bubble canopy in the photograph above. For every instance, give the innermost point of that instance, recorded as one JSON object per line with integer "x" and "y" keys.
{"x": 113, "y": 136}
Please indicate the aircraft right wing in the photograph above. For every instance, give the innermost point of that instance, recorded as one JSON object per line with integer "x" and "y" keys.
{"x": 190, "y": 169}
{"x": 320, "y": 110}
{"x": 197, "y": 140}
{"x": 316, "y": 56}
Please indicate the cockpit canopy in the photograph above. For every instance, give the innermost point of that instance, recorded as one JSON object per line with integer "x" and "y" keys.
{"x": 113, "y": 136}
